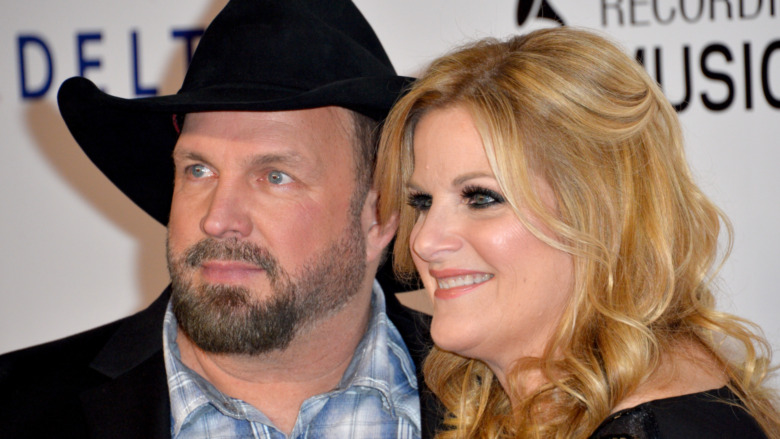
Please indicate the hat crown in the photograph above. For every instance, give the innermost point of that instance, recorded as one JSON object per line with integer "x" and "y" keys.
{"x": 274, "y": 47}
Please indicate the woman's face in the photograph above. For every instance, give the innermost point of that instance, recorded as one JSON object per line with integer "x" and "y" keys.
{"x": 498, "y": 291}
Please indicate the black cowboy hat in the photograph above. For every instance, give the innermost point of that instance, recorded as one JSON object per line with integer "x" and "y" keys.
{"x": 257, "y": 55}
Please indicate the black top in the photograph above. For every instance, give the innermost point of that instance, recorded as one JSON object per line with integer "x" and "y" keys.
{"x": 715, "y": 413}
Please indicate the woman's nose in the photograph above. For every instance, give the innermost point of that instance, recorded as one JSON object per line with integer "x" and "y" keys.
{"x": 435, "y": 234}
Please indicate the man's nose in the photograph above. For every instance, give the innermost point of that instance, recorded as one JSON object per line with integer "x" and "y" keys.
{"x": 228, "y": 213}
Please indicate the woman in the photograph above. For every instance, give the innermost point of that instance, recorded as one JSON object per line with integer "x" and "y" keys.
{"x": 546, "y": 203}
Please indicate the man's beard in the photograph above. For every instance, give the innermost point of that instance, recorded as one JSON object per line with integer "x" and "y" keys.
{"x": 230, "y": 319}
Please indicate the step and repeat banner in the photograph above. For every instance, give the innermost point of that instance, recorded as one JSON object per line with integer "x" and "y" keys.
{"x": 76, "y": 253}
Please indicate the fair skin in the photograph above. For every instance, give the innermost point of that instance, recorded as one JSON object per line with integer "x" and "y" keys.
{"x": 687, "y": 368}
{"x": 498, "y": 291}
{"x": 282, "y": 180}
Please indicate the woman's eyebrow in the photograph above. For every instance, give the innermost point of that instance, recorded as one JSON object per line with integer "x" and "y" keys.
{"x": 459, "y": 180}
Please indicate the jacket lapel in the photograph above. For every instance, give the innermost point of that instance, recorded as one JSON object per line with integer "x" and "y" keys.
{"x": 133, "y": 402}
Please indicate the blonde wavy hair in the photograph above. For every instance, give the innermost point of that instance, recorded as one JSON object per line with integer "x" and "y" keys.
{"x": 571, "y": 107}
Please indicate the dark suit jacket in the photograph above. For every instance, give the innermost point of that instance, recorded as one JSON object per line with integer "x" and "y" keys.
{"x": 110, "y": 382}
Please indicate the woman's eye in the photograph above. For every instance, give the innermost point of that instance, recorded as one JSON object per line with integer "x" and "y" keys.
{"x": 479, "y": 198}
{"x": 279, "y": 177}
{"x": 199, "y": 171}
{"x": 419, "y": 202}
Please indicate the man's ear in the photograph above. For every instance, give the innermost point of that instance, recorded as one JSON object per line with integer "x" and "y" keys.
{"x": 378, "y": 235}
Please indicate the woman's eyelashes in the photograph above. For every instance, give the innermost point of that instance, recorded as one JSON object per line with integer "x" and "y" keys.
{"x": 419, "y": 201}
{"x": 476, "y": 197}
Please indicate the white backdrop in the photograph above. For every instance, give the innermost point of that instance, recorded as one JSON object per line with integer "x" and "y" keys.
{"x": 76, "y": 253}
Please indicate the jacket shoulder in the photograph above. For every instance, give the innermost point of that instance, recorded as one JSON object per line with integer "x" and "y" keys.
{"x": 41, "y": 385}
{"x": 47, "y": 388}
{"x": 53, "y": 362}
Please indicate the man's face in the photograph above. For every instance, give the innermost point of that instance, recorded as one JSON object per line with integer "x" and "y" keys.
{"x": 261, "y": 237}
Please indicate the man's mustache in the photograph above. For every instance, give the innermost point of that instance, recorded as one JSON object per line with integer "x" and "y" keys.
{"x": 210, "y": 249}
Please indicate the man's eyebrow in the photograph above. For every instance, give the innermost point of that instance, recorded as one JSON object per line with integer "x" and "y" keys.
{"x": 286, "y": 158}
{"x": 289, "y": 158}
{"x": 179, "y": 154}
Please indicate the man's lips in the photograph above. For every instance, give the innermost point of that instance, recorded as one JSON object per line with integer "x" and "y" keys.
{"x": 455, "y": 283}
{"x": 228, "y": 271}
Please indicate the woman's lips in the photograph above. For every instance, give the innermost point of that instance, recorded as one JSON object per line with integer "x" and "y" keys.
{"x": 454, "y": 283}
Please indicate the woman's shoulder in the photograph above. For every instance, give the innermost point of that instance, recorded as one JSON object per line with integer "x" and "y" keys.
{"x": 712, "y": 413}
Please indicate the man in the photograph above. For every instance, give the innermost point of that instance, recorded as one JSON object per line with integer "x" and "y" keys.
{"x": 273, "y": 325}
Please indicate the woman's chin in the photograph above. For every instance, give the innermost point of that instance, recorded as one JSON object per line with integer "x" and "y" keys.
{"x": 459, "y": 341}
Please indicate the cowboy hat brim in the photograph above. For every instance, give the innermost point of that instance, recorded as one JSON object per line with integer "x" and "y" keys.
{"x": 256, "y": 55}
{"x": 142, "y": 167}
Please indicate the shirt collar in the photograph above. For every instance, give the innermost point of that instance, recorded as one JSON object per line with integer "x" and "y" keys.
{"x": 381, "y": 362}
{"x": 381, "y": 359}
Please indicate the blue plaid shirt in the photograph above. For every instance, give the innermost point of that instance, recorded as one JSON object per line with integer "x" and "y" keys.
{"x": 376, "y": 398}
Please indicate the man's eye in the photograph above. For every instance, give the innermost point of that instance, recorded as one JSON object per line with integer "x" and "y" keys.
{"x": 199, "y": 171}
{"x": 279, "y": 177}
